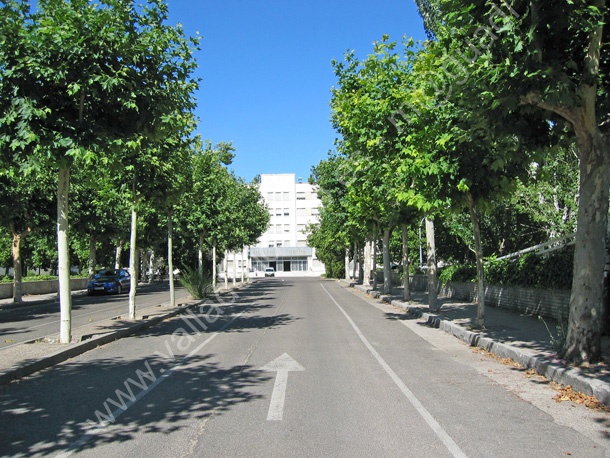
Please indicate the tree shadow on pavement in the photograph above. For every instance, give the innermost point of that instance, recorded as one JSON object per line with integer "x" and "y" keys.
{"x": 55, "y": 409}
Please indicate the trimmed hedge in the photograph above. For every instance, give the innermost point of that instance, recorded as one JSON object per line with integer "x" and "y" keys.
{"x": 553, "y": 270}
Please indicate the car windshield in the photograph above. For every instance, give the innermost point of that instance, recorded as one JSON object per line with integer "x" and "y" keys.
{"x": 105, "y": 274}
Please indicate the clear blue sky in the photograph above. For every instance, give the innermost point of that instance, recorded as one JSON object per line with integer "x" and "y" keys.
{"x": 266, "y": 71}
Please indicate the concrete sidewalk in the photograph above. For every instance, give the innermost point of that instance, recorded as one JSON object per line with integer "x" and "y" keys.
{"x": 24, "y": 359}
{"x": 525, "y": 339}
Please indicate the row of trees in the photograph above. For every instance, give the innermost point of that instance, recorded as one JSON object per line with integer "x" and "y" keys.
{"x": 97, "y": 102}
{"x": 498, "y": 96}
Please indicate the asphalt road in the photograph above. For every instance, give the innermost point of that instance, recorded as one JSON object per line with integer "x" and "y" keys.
{"x": 21, "y": 324}
{"x": 291, "y": 368}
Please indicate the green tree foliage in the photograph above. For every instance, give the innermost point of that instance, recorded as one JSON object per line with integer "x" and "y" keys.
{"x": 541, "y": 68}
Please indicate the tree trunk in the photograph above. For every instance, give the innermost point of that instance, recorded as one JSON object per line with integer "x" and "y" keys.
{"x": 406, "y": 292}
{"x": 387, "y": 278}
{"x": 214, "y": 267}
{"x": 374, "y": 262}
{"x": 367, "y": 263}
{"x": 234, "y": 268}
{"x": 200, "y": 252}
{"x": 133, "y": 268}
{"x": 474, "y": 218}
{"x": 225, "y": 267}
{"x": 361, "y": 264}
{"x": 355, "y": 259}
{"x": 92, "y": 255}
{"x": 151, "y": 267}
{"x": 243, "y": 270}
{"x": 583, "y": 342}
{"x": 431, "y": 253}
{"x": 63, "y": 256}
{"x": 118, "y": 254}
{"x": 170, "y": 259}
{"x": 17, "y": 263}
{"x": 347, "y": 264}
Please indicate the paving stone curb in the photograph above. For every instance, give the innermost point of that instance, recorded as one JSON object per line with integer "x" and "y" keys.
{"x": 44, "y": 362}
{"x": 540, "y": 363}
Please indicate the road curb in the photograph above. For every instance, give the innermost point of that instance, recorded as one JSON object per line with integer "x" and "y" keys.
{"x": 44, "y": 362}
{"x": 542, "y": 364}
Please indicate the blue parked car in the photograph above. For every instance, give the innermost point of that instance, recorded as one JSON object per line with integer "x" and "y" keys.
{"x": 109, "y": 281}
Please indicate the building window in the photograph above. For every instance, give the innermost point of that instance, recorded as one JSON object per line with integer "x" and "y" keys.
{"x": 286, "y": 212}
{"x": 278, "y": 196}
{"x": 269, "y": 196}
{"x": 286, "y": 227}
{"x": 278, "y": 228}
{"x": 279, "y": 244}
{"x": 298, "y": 265}
{"x": 300, "y": 228}
{"x": 286, "y": 242}
{"x": 301, "y": 212}
{"x": 271, "y": 229}
{"x": 315, "y": 211}
{"x": 271, "y": 245}
{"x": 300, "y": 196}
{"x": 278, "y": 212}
{"x": 286, "y": 196}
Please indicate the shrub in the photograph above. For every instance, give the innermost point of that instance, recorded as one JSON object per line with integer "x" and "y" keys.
{"x": 553, "y": 270}
{"x": 458, "y": 273}
{"x": 197, "y": 283}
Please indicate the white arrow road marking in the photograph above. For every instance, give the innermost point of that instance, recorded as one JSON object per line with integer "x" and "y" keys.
{"x": 282, "y": 366}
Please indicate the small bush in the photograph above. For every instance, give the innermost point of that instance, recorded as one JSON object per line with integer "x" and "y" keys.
{"x": 458, "y": 273}
{"x": 197, "y": 283}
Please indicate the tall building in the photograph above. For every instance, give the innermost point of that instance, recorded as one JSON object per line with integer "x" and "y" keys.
{"x": 293, "y": 204}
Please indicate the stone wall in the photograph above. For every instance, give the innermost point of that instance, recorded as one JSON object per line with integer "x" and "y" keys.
{"x": 548, "y": 303}
{"x": 41, "y": 287}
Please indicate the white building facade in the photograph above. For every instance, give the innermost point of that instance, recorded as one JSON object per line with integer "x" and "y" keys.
{"x": 293, "y": 204}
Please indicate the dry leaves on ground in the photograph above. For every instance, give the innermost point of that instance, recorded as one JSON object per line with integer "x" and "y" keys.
{"x": 566, "y": 393}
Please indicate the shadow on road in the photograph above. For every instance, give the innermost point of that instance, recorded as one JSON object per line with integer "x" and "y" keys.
{"x": 53, "y": 410}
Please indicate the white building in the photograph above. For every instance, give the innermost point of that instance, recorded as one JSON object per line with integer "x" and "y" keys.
{"x": 293, "y": 204}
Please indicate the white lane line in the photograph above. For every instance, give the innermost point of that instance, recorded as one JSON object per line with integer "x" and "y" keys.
{"x": 182, "y": 364}
{"x": 453, "y": 448}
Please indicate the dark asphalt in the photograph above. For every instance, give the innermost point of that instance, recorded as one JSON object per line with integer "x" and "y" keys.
{"x": 28, "y": 322}
{"x": 193, "y": 386}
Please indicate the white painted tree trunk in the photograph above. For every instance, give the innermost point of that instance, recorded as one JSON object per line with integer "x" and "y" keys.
{"x": 133, "y": 268}
{"x": 431, "y": 253}
{"x": 170, "y": 260}
{"x": 63, "y": 256}
{"x": 151, "y": 266}
{"x": 474, "y": 218}
{"x": 117, "y": 255}
{"x": 355, "y": 260}
{"x": 92, "y": 255}
{"x": 375, "y": 262}
{"x": 17, "y": 263}
{"x": 387, "y": 279}
{"x": 367, "y": 263}
{"x": 225, "y": 268}
{"x": 243, "y": 267}
{"x": 200, "y": 252}
{"x": 406, "y": 291}
{"x": 346, "y": 262}
{"x": 214, "y": 273}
